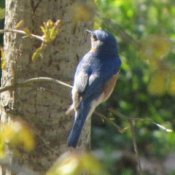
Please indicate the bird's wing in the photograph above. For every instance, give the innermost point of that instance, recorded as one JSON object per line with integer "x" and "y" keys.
{"x": 95, "y": 85}
{"x": 80, "y": 83}
{"x": 91, "y": 78}
{"x": 86, "y": 85}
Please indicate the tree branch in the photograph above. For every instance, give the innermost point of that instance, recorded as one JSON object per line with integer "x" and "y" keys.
{"x": 30, "y": 81}
{"x": 132, "y": 123}
{"x": 23, "y": 33}
{"x": 121, "y": 130}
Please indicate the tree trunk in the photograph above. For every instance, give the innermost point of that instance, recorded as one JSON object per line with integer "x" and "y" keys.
{"x": 43, "y": 108}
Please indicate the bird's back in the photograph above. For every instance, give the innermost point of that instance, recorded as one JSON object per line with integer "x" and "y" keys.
{"x": 100, "y": 68}
{"x": 94, "y": 79}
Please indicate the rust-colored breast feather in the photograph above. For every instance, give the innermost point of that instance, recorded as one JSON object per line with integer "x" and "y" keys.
{"x": 109, "y": 87}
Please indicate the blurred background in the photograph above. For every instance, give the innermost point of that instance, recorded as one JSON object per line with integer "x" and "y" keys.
{"x": 141, "y": 110}
{"x": 145, "y": 91}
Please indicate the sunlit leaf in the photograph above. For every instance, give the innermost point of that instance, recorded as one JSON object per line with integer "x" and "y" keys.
{"x": 91, "y": 164}
{"x": 3, "y": 65}
{"x": 158, "y": 82}
{"x": 153, "y": 14}
{"x": 154, "y": 47}
{"x": 27, "y": 139}
{"x": 67, "y": 164}
{"x": 2, "y": 13}
{"x": 171, "y": 84}
{"x": 2, "y": 146}
{"x": 50, "y": 30}
{"x": 19, "y": 24}
{"x": 17, "y": 134}
{"x": 74, "y": 163}
{"x": 27, "y": 32}
{"x": 38, "y": 52}
{"x": 118, "y": 2}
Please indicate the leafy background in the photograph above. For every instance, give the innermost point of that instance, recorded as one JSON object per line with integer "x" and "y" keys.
{"x": 145, "y": 92}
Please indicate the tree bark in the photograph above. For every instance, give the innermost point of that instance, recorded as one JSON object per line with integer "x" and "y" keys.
{"x": 43, "y": 108}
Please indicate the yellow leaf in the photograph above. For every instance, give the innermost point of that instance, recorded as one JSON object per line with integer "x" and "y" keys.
{"x": 74, "y": 163}
{"x": 158, "y": 82}
{"x": 154, "y": 47}
{"x": 27, "y": 138}
{"x": 19, "y": 24}
{"x": 50, "y": 30}
{"x": 37, "y": 54}
{"x": 67, "y": 164}
{"x": 17, "y": 133}
{"x": 42, "y": 29}
{"x": 2, "y": 147}
{"x": 2, "y": 13}
{"x": 3, "y": 64}
{"x": 171, "y": 85}
{"x": 27, "y": 31}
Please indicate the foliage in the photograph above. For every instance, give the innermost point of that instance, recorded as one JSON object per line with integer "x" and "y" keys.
{"x": 73, "y": 163}
{"x": 50, "y": 31}
{"x": 16, "y": 134}
{"x": 2, "y": 10}
{"x": 146, "y": 88}
{"x": 145, "y": 92}
{"x": 2, "y": 59}
{"x": 2, "y": 4}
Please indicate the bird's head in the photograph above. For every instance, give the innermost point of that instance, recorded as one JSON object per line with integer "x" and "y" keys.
{"x": 102, "y": 41}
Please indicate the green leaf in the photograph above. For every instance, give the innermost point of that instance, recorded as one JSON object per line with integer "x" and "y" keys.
{"x": 27, "y": 31}
{"x": 37, "y": 53}
{"x": 2, "y": 13}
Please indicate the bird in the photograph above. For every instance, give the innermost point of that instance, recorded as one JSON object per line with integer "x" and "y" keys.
{"x": 94, "y": 80}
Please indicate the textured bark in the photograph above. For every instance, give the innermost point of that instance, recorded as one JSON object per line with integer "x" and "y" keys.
{"x": 43, "y": 108}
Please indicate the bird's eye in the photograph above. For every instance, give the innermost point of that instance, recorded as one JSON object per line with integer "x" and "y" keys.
{"x": 94, "y": 37}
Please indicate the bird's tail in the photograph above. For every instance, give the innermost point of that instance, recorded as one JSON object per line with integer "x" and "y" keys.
{"x": 80, "y": 118}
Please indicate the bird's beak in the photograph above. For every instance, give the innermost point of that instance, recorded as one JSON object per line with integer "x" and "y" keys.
{"x": 89, "y": 31}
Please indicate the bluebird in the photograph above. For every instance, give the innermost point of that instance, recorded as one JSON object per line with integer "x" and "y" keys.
{"x": 94, "y": 79}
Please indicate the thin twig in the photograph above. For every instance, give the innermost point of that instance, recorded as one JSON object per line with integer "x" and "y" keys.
{"x": 46, "y": 79}
{"x": 30, "y": 81}
{"x": 23, "y": 33}
{"x": 132, "y": 124}
{"x": 111, "y": 122}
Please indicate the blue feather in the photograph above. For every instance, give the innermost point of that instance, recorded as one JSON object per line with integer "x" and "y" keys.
{"x": 93, "y": 72}
{"x": 80, "y": 119}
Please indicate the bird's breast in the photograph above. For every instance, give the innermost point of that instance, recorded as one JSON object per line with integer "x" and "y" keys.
{"x": 109, "y": 87}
